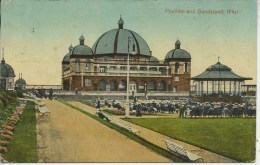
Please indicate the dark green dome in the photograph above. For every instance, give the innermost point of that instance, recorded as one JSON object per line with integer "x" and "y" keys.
{"x": 20, "y": 81}
{"x": 6, "y": 69}
{"x": 81, "y": 49}
{"x": 154, "y": 59}
{"x": 66, "y": 58}
{"x": 177, "y": 53}
{"x": 218, "y": 67}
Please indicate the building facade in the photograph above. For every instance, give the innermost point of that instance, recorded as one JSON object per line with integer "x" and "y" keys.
{"x": 104, "y": 66}
{"x": 6, "y": 76}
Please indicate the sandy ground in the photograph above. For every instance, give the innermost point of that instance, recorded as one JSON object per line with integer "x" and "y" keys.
{"x": 67, "y": 135}
{"x": 156, "y": 138}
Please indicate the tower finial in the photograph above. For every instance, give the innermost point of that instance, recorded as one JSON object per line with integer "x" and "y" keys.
{"x": 120, "y": 23}
{"x": 81, "y": 39}
{"x": 177, "y": 44}
{"x": 3, "y": 56}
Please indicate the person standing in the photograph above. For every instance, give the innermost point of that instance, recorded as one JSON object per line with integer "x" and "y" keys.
{"x": 98, "y": 104}
{"x": 50, "y": 94}
{"x": 182, "y": 109}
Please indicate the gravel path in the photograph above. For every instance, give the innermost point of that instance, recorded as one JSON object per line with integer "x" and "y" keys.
{"x": 67, "y": 135}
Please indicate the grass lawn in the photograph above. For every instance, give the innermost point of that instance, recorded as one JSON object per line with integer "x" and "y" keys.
{"x": 23, "y": 146}
{"x": 230, "y": 137}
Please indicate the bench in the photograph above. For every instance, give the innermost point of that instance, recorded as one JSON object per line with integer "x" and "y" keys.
{"x": 126, "y": 126}
{"x": 182, "y": 152}
{"x": 44, "y": 110}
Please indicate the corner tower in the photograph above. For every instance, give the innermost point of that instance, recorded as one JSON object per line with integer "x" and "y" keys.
{"x": 179, "y": 61}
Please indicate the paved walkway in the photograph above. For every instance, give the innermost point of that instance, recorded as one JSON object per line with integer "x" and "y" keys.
{"x": 67, "y": 135}
{"x": 156, "y": 138}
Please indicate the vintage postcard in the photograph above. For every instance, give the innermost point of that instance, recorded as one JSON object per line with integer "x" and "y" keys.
{"x": 138, "y": 81}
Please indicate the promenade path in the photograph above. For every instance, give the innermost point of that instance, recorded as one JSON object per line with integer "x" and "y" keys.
{"x": 67, "y": 135}
{"x": 156, "y": 138}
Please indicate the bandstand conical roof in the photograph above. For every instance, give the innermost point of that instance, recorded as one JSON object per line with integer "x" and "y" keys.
{"x": 219, "y": 72}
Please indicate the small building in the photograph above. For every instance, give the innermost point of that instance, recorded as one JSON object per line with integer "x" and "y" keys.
{"x": 20, "y": 84}
{"x": 6, "y": 76}
{"x": 249, "y": 89}
{"x": 218, "y": 79}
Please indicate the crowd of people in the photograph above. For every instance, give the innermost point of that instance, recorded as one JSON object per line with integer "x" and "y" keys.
{"x": 41, "y": 93}
{"x": 188, "y": 108}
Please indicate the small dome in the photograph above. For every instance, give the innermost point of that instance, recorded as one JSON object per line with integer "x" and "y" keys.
{"x": 66, "y": 58}
{"x": 178, "y": 42}
{"x": 81, "y": 38}
{"x": 70, "y": 48}
{"x": 218, "y": 67}
{"x": 81, "y": 49}
{"x": 20, "y": 81}
{"x": 177, "y": 54}
{"x": 6, "y": 70}
{"x": 154, "y": 59}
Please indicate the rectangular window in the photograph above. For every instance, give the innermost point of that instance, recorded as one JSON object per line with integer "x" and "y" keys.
{"x": 176, "y": 78}
{"x": 87, "y": 82}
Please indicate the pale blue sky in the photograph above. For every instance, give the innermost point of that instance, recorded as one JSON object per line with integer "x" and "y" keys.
{"x": 58, "y": 23}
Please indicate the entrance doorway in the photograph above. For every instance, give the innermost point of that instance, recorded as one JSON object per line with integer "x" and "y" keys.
{"x": 132, "y": 87}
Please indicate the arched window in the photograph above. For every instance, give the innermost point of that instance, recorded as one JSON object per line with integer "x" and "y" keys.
{"x": 88, "y": 63}
{"x": 113, "y": 85}
{"x": 162, "y": 85}
{"x": 177, "y": 67}
{"x": 152, "y": 85}
{"x": 102, "y": 85}
{"x": 185, "y": 67}
{"x": 77, "y": 65}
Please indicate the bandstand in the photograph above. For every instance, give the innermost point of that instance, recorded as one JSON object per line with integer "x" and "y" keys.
{"x": 218, "y": 79}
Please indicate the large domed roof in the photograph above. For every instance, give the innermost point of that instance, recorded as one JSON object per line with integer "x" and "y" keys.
{"x": 115, "y": 42}
{"x": 6, "y": 69}
{"x": 177, "y": 53}
{"x": 82, "y": 49}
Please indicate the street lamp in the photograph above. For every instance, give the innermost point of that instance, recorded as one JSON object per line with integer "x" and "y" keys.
{"x": 127, "y": 79}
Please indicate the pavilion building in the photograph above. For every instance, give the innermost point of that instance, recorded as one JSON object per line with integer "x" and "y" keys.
{"x": 218, "y": 79}
{"x": 104, "y": 66}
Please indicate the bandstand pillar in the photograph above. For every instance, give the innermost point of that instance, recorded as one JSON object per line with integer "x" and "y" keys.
{"x": 218, "y": 87}
{"x": 201, "y": 84}
{"x": 207, "y": 87}
{"x": 235, "y": 88}
{"x": 224, "y": 87}
{"x": 239, "y": 88}
{"x": 229, "y": 87}
{"x": 198, "y": 88}
{"x": 212, "y": 88}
